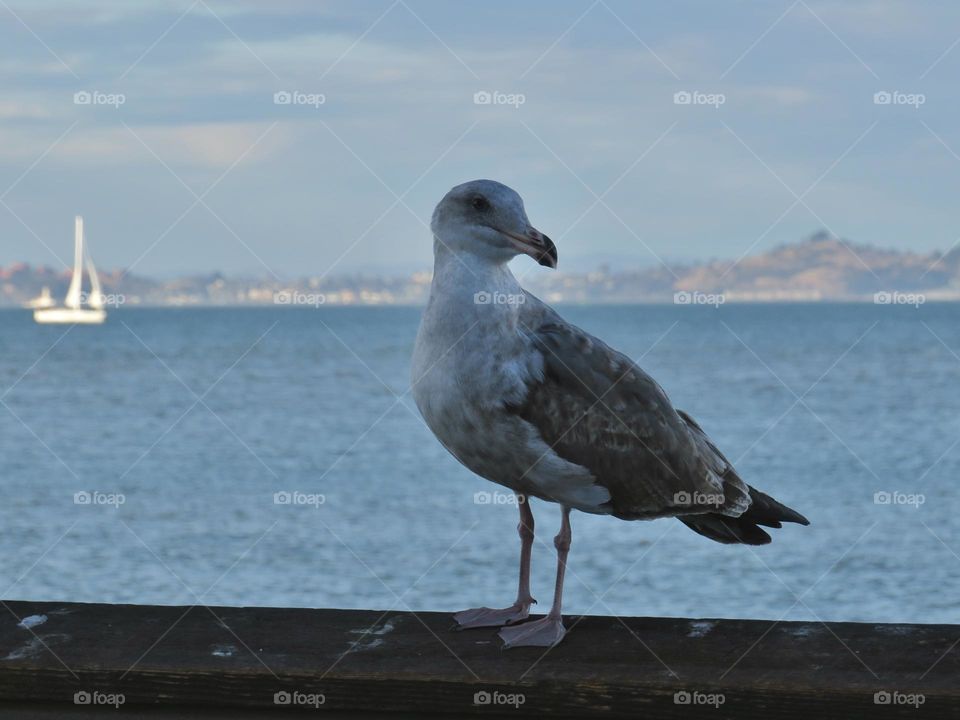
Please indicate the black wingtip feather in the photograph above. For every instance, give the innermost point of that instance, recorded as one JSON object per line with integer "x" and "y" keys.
{"x": 726, "y": 530}
{"x": 745, "y": 530}
{"x": 764, "y": 510}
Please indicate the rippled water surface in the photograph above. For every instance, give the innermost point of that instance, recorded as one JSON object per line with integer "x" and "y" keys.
{"x": 198, "y": 417}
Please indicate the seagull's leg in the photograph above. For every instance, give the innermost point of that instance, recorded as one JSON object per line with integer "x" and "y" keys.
{"x": 487, "y": 617}
{"x": 547, "y": 631}
{"x": 525, "y": 530}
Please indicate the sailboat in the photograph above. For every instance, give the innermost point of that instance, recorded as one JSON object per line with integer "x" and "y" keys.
{"x": 73, "y": 311}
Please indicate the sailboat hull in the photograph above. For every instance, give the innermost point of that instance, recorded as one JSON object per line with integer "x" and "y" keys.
{"x": 69, "y": 316}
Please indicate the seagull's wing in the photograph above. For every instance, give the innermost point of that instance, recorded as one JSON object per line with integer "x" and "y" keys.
{"x": 597, "y": 408}
{"x": 763, "y": 509}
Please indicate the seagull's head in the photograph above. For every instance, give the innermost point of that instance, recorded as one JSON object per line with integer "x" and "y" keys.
{"x": 487, "y": 219}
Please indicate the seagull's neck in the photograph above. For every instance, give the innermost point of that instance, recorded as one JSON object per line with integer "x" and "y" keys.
{"x": 466, "y": 273}
{"x": 471, "y": 288}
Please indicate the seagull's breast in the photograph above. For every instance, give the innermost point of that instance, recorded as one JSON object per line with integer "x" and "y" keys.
{"x": 464, "y": 386}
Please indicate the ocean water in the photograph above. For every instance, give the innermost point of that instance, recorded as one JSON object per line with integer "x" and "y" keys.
{"x": 181, "y": 425}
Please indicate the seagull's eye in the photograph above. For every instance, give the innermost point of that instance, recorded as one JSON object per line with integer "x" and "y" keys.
{"x": 480, "y": 203}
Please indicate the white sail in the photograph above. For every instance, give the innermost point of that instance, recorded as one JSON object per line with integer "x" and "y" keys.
{"x": 73, "y": 294}
{"x": 95, "y": 300}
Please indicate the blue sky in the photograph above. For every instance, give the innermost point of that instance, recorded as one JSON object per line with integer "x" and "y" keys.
{"x": 200, "y": 169}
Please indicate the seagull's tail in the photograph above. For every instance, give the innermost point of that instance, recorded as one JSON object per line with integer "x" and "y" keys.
{"x": 746, "y": 530}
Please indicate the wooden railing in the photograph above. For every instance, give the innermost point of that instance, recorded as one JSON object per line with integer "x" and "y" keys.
{"x": 148, "y": 661}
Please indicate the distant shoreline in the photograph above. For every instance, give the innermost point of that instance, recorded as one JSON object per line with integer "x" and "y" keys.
{"x": 565, "y": 303}
{"x": 820, "y": 269}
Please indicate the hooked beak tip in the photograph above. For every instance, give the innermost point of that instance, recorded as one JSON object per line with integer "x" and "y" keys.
{"x": 549, "y": 256}
{"x": 537, "y": 245}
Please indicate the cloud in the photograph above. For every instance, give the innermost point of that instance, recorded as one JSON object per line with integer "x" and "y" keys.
{"x": 787, "y": 96}
{"x": 879, "y": 18}
{"x": 16, "y": 110}
{"x": 213, "y": 146}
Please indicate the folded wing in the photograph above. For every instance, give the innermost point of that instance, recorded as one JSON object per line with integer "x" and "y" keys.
{"x": 597, "y": 408}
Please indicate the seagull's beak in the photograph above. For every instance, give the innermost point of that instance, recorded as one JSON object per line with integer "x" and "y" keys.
{"x": 535, "y": 244}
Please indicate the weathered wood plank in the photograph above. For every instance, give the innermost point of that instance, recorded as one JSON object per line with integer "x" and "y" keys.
{"x": 199, "y": 660}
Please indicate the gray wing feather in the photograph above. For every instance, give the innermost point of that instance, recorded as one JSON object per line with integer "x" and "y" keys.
{"x": 597, "y": 408}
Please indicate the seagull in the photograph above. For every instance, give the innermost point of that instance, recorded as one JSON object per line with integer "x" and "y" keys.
{"x": 533, "y": 403}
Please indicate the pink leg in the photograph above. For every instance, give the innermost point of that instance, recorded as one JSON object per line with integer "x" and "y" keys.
{"x": 547, "y": 631}
{"x": 525, "y": 530}
{"x": 520, "y": 610}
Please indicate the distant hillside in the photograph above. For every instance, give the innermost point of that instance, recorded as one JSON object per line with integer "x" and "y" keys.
{"x": 818, "y": 268}
{"x": 830, "y": 267}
